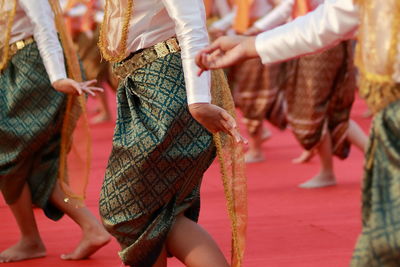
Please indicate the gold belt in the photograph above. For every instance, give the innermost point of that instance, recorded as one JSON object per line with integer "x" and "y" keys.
{"x": 146, "y": 56}
{"x": 14, "y": 47}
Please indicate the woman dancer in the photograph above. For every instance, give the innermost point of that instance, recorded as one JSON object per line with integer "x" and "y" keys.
{"x": 377, "y": 23}
{"x": 32, "y": 99}
{"x": 150, "y": 196}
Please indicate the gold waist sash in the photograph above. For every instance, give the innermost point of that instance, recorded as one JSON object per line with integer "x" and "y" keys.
{"x": 14, "y": 47}
{"x": 146, "y": 56}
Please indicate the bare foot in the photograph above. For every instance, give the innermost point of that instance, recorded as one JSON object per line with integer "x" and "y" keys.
{"x": 23, "y": 251}
{"x": 266, "y": 134}
{"x": 320, "y": 180}
{"x": 253, "y": 157}
{"x": 367, "y": 114}
{"x": 101, "y": 117}
{"x": 305, "y": 156}
{"x": 92, "y": 240}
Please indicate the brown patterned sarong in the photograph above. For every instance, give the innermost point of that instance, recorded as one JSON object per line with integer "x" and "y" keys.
{"x": 31, "y": 115}
{"x": 320, "y": 91}
{"x": 255, "y": 91}
{"x": 159, "y": 156}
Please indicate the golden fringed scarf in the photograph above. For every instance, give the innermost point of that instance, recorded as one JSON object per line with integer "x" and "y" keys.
{"x": 7, "y": 14}
{"x": 377, "y": 53}
{"x": 230, "y": 154}
{"x": 75, "y": 152}
{"x": 122, "y": 9}
{"x": 232, "y": 166}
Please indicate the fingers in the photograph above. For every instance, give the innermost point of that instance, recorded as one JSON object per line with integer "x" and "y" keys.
{"x": 201, "y": 57}
{"x": 228, "y": 59}
{"x": 89, "y": 83}
{"x": 216, "y": 45}
{"x": 230, "y": 127}
{"x": 77, "y": 87}
{"x": 89, "y": 88}
{"x": 92, "y": 90}
{"x": 200, "y": 63}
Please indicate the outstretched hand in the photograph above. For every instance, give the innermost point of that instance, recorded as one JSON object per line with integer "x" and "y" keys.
{"x": 225, "y": 52}
{"x": 216, "y": 119}
{"x": 69, "y": 86}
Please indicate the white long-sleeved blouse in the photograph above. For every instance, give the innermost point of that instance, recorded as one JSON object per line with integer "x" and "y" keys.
{"x": 330, "y": 23}
{"x": 154, "y": 21}
{"x": 35, "y": 18}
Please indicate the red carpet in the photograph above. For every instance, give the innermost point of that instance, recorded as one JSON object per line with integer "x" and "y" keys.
{"x": 287, "y": 226}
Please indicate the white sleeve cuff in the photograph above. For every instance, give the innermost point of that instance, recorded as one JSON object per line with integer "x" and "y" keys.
{"x": 55, "y": 68}
{"x": 197, "y": 88}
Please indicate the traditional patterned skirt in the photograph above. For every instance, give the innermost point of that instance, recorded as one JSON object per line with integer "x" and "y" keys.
{"x": 379, "y": 242}
{"x": 320, "y": 91}
{"x": 159, "y": 156}
{"x": 31, "y": 115}
{"x": 255, "y": 91}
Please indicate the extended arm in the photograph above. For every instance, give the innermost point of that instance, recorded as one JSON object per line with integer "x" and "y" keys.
{"x": 45, "y": 34}
{"x": 191, "y": 31}
{"x": 329, "y": 24}
{"x": 276, "y": 17}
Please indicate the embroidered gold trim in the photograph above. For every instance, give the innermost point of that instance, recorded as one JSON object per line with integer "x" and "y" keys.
{"x": 148, "y": 55}
{"x": 120, "y": 53}
{"x": 14, "y": 47}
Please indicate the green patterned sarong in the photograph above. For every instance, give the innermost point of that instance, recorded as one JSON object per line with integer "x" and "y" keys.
{"x": 159, "y": 156}
{"x": 30, "y": 122}
{"x": 379, "y": 242}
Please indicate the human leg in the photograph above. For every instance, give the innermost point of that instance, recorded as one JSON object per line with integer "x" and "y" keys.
{"x": 255, "y": 153}
{"x": 305, "y": 156}
{"x": 193, "y": 246}
{"x": 326, "y": 176}
{"x": 255, "y": 93}
{"x": 357, "y": 136}
{"x": 163, "y": 140}
{"x": 94, "y": 236}
{"x": 30, "y": 244}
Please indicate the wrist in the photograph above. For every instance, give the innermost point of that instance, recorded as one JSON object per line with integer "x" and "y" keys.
{"x": 57, "y": 81}
{"x": 195, "y": 106}
{"x": 249, "y": 47}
